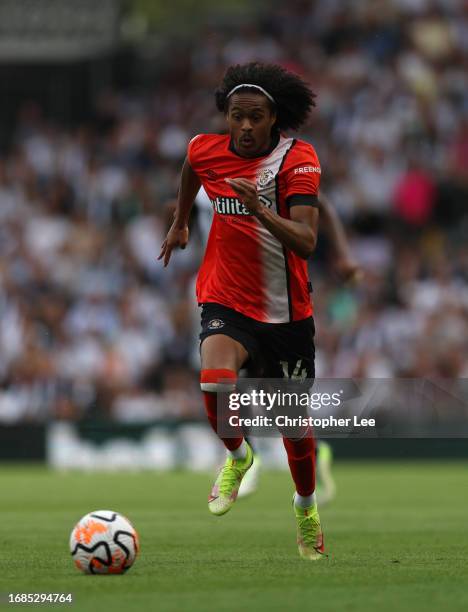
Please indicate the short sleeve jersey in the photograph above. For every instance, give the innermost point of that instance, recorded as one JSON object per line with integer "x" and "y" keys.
{"x": 245, "y": 267}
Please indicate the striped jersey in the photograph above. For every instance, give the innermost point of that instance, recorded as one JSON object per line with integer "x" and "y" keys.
{"x": 245, "y": 267}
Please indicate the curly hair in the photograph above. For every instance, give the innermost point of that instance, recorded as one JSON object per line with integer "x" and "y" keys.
{"x": 293, "y": 97}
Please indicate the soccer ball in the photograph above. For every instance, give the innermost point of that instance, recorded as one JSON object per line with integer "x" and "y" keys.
{"x": 104, "y": 542}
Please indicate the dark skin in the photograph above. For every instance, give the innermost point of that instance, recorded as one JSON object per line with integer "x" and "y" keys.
{"x": 250, "y": 118}
{"x": 344, "y": 263}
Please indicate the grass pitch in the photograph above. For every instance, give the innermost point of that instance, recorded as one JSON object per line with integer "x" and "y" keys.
{"x": 397, "y": 535}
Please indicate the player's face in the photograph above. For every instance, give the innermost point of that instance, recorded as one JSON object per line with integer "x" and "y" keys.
{"x": 250, "y": 120}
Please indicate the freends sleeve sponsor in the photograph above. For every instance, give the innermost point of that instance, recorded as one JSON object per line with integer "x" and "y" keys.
{"x": 303, "y": 171}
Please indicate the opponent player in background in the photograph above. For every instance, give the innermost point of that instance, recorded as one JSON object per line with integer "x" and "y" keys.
{"x": 253, "y": 282}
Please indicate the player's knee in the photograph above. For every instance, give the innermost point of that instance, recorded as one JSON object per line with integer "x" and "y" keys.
{"x": 218, "y": 380}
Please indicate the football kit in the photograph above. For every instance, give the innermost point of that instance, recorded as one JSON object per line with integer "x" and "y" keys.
{"x": 245, "y": 268}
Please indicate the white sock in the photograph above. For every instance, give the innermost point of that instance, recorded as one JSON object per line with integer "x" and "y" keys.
{"x": 304, "y": 501}
{"x": 240, "y": 452}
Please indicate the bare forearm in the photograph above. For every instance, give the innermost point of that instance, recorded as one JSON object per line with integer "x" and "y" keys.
{"x": 295, "y": 235}
{"x": 178, "y": 234}
{"x": 299, "y": 233}
{"x": 333, "y": 227}
{"x": 189, "y": 187}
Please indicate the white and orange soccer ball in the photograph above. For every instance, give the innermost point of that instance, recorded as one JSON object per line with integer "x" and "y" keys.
{"x": 104, "y": 542}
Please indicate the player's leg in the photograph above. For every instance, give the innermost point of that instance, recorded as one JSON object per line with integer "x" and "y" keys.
{"x": 221, "y": 360}
{"x": 225, "y": 347}
{"x": 291, "y": 354}
{"x": 301, "y": 460}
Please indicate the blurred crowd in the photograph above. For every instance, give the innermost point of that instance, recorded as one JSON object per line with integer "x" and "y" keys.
{"x": 92, "y": 326}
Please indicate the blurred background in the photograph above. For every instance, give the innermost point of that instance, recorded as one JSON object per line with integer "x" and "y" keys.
{"x": 98, "y": 343}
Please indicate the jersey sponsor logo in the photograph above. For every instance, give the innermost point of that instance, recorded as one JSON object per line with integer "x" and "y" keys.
{"x": 232, "y": 206}
{"x": 264, "y": 177}
{"x": 307, "y": 169}
{"x": 216, "y": 324}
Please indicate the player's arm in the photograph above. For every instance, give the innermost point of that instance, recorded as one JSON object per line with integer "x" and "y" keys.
{"x": 344, "y": 262}
{"x": 299, "y": 234}
{"x": 178, "y": 233}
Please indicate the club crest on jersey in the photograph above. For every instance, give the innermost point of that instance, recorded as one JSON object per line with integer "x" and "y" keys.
{"x": 264, "y": 177}
{"x": 215, "y": 324}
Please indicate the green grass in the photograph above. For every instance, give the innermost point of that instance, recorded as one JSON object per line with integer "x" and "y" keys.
{"x": 397, "y": 534}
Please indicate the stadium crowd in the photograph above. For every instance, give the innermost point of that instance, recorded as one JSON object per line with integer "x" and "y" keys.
{"x": 91, "y": 325}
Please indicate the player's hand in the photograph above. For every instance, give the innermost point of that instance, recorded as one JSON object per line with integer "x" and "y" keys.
{"x": 247, "y": 192}
{"x": 176, "y": 237}
{"x": 349, "y": 270}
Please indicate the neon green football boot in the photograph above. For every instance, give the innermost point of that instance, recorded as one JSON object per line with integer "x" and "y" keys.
{"x": 226, "y": 486}
{"x": 309, "y": 533}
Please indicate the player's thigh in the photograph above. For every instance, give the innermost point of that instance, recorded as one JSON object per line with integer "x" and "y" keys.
{"x": 221, "y": 351}
{"x": 227, "y": 339}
